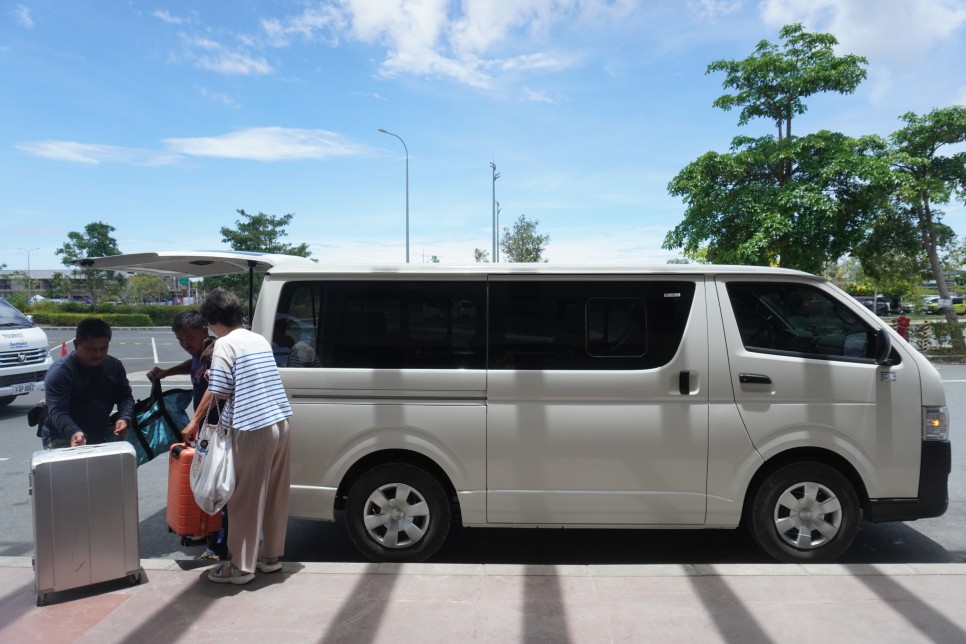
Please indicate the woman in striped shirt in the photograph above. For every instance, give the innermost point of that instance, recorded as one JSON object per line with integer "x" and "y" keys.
{"x": 244, "y": 375}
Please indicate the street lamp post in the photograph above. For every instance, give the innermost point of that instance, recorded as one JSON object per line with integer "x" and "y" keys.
{"x": 496, "y": 234}
{"x": 407, "y": 186}
{"x": 29, "y": 282}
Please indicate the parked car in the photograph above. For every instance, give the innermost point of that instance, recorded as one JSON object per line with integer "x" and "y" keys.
{"x": 880, "y": 302}
{"x": 929, "y": 305}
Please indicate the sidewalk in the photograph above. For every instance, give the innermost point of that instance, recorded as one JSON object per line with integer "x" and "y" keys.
{"x": 424, "y": 603}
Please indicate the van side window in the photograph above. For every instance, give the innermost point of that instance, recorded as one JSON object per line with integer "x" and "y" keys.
{"x": 576, "y": 325}
{"x": 791, "y": 318}
{"x": 393, "y": 324}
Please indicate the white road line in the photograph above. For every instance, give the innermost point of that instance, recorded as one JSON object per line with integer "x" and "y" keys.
{"x": 954, "y": 380}
{"x": 154, "y": 350}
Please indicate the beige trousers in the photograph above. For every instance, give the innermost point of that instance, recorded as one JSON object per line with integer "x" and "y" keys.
{"x": 259, "y": 505}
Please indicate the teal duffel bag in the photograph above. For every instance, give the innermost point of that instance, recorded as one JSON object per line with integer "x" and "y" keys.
{"x": 158, "y": 421}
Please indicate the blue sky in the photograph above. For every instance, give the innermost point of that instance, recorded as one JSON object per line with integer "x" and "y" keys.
{"x": 162, "y": 119}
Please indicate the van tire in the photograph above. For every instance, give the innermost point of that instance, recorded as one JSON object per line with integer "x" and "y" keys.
{"x": 805, "y": 513}
{"x": 6, "y": 400}
{"x": 421, "y": 506}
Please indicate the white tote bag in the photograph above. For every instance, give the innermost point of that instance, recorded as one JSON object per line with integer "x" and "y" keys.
{"x": 212, "y": 473}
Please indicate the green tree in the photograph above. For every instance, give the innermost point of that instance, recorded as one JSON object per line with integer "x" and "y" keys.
{"x": 58, "y": 287}
{"x": 924, "y": 179}
{"x": 19, "y": 281}
{"x": 523, "y": 243}
{"x": 481, "y": 256}
{"x": 146, "y": 288}
{"x": 95, "y": 241}
{"x": 785, "y": 200}
{"x": 256, "y": 233}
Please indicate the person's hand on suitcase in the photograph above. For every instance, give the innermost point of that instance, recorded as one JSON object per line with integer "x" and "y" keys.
{"x": 190, "y": 431}
{"x": 77, "y": 439}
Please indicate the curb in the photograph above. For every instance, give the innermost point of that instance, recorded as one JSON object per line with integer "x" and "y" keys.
{"x": 590, "y": 570}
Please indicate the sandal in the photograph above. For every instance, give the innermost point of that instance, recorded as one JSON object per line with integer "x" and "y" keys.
{"x": 226, "y": 573}
{"x": 268, "y": 565}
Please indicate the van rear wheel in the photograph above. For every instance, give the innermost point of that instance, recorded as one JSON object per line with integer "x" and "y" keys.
{"x": 6, "y": 400}
{"x": 397, "y": 512}
{"x": 805, "y": 513}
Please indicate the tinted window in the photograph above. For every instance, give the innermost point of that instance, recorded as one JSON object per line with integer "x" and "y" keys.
{"x": 586, "y": 324}
{"x": 391, "y": 324}
{"x": 798, "y": 318}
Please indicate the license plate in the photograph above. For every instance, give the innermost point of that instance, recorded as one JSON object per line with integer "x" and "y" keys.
{"x": 24, "y": 388}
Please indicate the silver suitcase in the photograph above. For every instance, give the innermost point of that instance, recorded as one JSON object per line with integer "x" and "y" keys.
{"x": 85, "y": 516}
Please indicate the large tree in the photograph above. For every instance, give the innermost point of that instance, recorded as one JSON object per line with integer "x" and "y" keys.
{"x": 924, "y": 179}
{"x": 523, "y": 243}
{"x": 782, "y": 199}
{"x": 95, "y": 241}
{"x": 257, "y": 233}
{"x": 146, "y": 288}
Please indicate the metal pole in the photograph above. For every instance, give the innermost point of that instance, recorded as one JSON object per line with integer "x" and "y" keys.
{"x": 407, "y": 186}
{"x": 497, "y": 231}
{"x": 29, "y": 281}
{"x": 496, "y": 234}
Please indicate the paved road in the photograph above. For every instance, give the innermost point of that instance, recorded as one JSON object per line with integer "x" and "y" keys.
{"x": 939, "y": 540}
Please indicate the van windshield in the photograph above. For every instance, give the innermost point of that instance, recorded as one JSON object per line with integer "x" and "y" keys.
{"x": 11, "y": 318}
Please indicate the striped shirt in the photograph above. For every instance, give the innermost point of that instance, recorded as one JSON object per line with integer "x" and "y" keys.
{"x": 243, "y": 364}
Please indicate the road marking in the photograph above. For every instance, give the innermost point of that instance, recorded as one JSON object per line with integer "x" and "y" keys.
{"x": 154, "y": 350}
{"x": 954, "y": 380}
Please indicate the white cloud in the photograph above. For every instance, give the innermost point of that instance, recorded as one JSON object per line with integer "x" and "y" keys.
{"x": 21, "y": 14}
{"x": 268, "y": 144}
{"x": 218, "y": 97}
{"x": 711, "y": 10}
{"x": 539, "y": 97}
{"x": 164, "y": 16}
{"x": 213, "y": 56}
{"x": 313, "y": 24}
{"x": 895, "y": 30}
{"x": 92, "y": 153}
{"x": 468, "y": 41}
{"x": 255, "y": 144}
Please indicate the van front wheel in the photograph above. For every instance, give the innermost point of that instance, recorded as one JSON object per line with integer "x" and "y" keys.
{"x": 805, "y": 513}
{"x": 397, "y": 512}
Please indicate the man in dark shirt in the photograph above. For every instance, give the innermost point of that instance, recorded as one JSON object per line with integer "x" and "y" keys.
{"x": 82, "y": 390}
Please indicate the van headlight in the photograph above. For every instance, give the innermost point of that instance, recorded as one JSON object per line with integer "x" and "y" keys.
{"x": 935, "y": 423}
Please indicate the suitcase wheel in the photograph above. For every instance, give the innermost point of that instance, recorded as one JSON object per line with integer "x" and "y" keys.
{"x": 134, "y": 578}
{"x": 41, "y": 599}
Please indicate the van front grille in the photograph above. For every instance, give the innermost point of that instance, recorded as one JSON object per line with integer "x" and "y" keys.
{"x": 26, "y": 356}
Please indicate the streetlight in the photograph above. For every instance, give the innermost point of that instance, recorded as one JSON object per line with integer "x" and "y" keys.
{"x": 29, "y": 284}
{"x": 496, "y": 175}
{"x": 407, "y": 186}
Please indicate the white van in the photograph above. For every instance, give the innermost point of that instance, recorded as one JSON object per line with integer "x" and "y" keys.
{"x": 24, "y": 359}
{"x": 651, "y": 397}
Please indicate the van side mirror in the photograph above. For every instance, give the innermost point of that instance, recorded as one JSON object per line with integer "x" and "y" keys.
{"x": 883, "y": 347}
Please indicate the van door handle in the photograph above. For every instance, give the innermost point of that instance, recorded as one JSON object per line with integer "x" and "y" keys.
{"x": 753, "y": 379}
{"x": 684, "y": 383}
